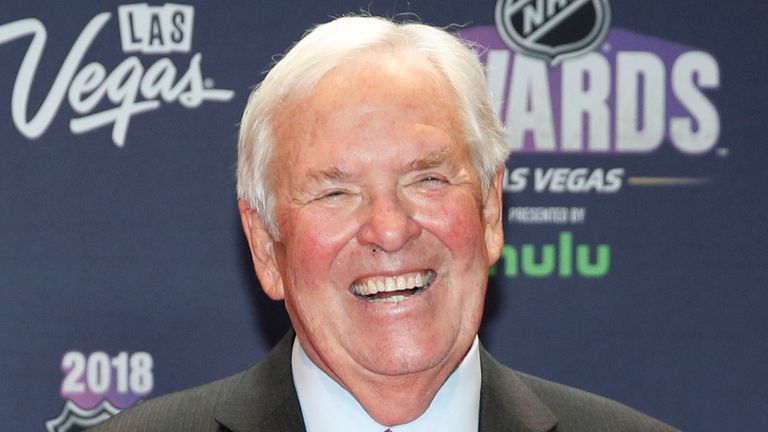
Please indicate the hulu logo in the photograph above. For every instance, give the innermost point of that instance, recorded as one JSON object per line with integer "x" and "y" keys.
{"x": 539, "y": 262}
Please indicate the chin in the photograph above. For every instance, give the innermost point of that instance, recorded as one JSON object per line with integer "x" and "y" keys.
{"x": 410, "y": 358}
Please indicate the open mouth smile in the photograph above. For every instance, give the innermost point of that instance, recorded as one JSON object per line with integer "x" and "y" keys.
{"x": 392, "y": 289}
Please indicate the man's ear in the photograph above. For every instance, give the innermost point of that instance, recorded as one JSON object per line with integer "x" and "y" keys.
{"x": 492, "y": 212}
{"x": 262, "y": 247}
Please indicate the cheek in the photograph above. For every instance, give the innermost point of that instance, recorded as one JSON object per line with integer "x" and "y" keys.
{"x": 456, "y": 222}
{"x": 315, "y": 241}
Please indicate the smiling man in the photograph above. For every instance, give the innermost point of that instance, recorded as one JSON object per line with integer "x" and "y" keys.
{"x": 369, "y": 177}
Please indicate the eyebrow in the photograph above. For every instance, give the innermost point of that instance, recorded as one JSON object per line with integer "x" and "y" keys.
{"x": 332, "y": 175}
{"x": 432, "y": 160}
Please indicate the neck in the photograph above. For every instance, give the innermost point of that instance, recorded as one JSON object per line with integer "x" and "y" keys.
{"x": 398, "y": 400}
{"x": 393, "y": 400}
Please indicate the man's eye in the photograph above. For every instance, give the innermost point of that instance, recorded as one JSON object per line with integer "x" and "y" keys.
{"x": 432, "y": 180}
{"x": 333, "y": 195}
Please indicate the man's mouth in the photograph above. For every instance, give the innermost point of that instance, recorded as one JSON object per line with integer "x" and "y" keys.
{"x": 392, "y": 289}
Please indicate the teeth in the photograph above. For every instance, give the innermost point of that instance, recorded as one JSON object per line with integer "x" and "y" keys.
{"x": 393, "y": 299}
{"x": 428, "y": 278}
{"x": 400, "y": 283}
{"x": 393, "y": 283}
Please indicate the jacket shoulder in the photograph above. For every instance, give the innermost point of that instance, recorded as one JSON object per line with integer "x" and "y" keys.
{"x": 578, "y": 410}
{"x": 187, "y": 410}
{"x": 513, "y": 401}
{"x": 261, "y": 398}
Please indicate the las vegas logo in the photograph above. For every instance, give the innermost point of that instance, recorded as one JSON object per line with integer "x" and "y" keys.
{"x": 100, "y": 97}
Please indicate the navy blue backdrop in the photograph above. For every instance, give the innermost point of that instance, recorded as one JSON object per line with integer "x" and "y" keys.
{"x": 635, "y": 263}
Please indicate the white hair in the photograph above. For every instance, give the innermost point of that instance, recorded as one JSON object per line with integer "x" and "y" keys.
{"x": 332, "y": 44}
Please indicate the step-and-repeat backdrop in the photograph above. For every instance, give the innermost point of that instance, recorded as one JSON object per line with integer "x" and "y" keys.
{"x": 635, "y": 263}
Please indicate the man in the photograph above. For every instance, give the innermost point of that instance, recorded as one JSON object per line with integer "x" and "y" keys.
{"x": 369, "y": 177}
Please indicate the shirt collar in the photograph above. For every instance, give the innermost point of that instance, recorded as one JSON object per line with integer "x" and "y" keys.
{"x": 325, "y": 405}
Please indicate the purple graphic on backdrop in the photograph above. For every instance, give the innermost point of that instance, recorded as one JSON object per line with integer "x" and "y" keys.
{"x": 630, "y": 96}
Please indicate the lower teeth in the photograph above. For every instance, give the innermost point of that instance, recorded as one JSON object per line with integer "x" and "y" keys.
{"x": 394, "y": 299}
{"x": 388, "y": 298}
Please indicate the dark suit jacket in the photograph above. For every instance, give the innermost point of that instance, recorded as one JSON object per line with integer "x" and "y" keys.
{"x": 263, "y": 399}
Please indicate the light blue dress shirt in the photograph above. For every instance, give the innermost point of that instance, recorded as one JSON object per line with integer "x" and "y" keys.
{"x": 328, "y": 407}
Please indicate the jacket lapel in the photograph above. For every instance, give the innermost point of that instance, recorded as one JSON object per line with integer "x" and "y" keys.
{"x": 263, "y": 398}
{"x": 507, "y": 404}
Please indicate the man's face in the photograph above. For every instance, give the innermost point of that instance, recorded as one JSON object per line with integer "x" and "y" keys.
{"x": 375, "y": 191}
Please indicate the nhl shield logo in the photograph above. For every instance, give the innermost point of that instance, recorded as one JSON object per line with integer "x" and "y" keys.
{"x": 552, "y": 29}
{"x": 75, "y": 419}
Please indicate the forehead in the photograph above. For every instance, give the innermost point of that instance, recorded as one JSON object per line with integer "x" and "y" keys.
{"x": 366, "y": 91}
{"x": 403, "y": 80}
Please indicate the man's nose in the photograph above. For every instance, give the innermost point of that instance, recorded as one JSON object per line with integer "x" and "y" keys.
{"x": 389, "y": 224}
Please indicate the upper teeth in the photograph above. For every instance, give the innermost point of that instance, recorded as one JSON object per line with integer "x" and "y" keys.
{"x": 392, "y": 283}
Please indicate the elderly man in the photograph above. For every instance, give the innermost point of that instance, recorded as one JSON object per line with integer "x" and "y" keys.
{"x": 369, "y": 177}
